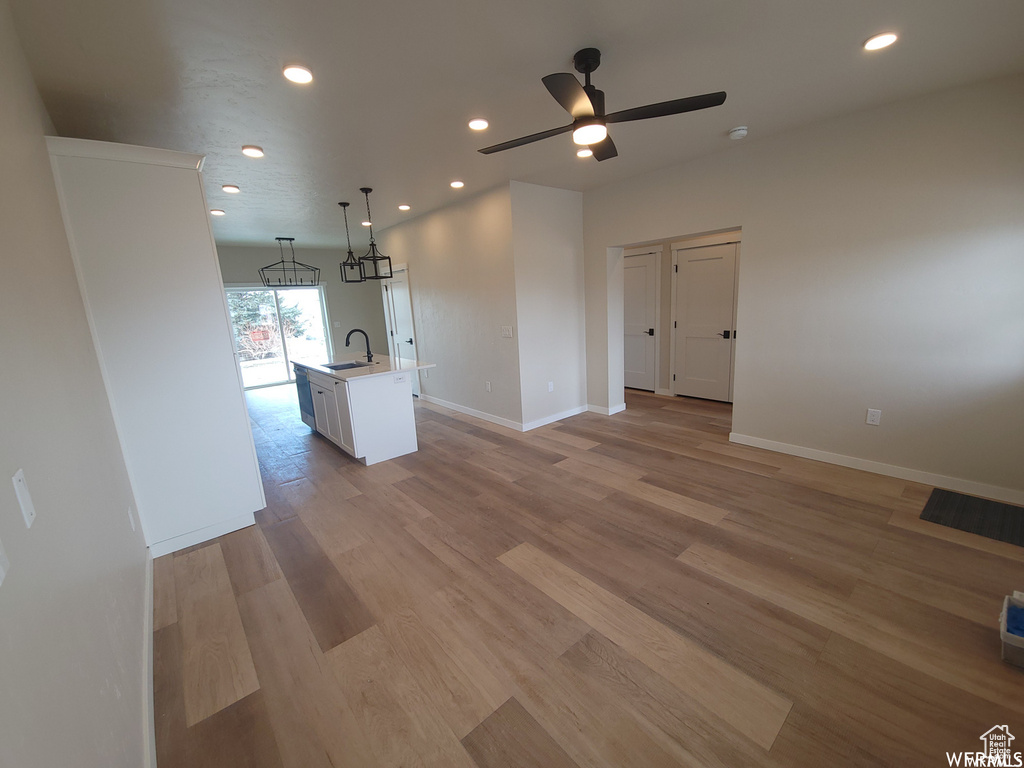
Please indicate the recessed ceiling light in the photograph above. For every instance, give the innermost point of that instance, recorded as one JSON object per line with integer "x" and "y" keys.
{"x": 478, "y": 124}
{"x": 298, "y": 74}
{"x": 457, "y": 185}
{"x": 403, "y": 207}
{"x": 251, "y": 150}
{"x": 231, "y": 189}
{"x": 585, "y": 152}
{"x": 877, "y": 42}
{"x": 216, "y": 212}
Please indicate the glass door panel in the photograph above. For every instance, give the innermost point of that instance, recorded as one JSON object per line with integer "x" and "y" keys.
{"x": 257, "y": 332}
{"x": 272, "y": 327}
{"x": 303, "y": 321}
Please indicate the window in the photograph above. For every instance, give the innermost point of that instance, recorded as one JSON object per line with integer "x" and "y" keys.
{"x": 272, "y": 327}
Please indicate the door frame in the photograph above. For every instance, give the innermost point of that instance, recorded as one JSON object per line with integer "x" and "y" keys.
{"x": 658, "y": 251}
{"x": 690, "y": 243}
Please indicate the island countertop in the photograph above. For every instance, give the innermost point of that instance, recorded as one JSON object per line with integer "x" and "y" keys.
{"x": 382, "y": 365}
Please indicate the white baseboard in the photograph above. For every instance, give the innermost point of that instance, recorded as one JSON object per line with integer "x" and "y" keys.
{"x": 668, "y": 392}
{"x": 607, "y": 411}
{"x": 1008, "y": 495}
{"x": 148, "y": 708}
{"x": 554, "y": 417}
{"x": 165, "y": 547}
{"x": 517, "y": 426}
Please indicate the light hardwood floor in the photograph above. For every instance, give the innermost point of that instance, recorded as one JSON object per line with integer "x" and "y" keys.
{"x": 614, "y": 591}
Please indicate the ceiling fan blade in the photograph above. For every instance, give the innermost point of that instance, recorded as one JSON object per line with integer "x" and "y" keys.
{"x": 674, "y": 107}
{"x": 604, "y": 149}
{"x": 570, "y": 94}
{"x": 524, "y": 140}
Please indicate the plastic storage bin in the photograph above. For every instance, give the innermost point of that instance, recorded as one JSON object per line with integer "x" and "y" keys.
{"x": 1013, "y": 645}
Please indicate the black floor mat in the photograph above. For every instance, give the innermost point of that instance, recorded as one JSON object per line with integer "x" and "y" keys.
{"x": 991, "y": 519}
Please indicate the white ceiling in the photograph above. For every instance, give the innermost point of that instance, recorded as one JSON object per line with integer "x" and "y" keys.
{"x": 397, "y": 81}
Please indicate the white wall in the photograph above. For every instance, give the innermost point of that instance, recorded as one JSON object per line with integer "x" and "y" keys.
{"x": 882, "y": 267}
{"x": 72, "y": 606}
{"x": 462, "y": 281}
{"x": 349, "y": 305}
{"x": 547, "y": 245}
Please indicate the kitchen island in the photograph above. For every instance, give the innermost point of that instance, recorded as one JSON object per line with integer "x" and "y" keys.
{"x": 366, "y": 409}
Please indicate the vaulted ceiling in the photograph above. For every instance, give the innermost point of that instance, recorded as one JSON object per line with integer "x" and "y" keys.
{"x": 396, "y": 82}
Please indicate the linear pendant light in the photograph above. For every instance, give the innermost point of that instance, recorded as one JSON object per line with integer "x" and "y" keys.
{"x": 289, "y": 272}
{"x": 352, "y": 270}
{"x": 377, "y": 266}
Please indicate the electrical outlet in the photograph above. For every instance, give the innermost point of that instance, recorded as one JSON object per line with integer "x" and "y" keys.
{"x": 874, "y": 417}
{"x": 5, "y": 564}
{"x": 401, "y": 378}
{"x": 551, "y": 386}
{"x": 506, "y": 331}
{"x": 487, "y": 386}
{"x": 131, "y": 518}
{"x": 28, "y": 509}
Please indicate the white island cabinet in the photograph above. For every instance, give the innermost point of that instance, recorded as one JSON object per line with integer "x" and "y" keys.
{"x": 366, "y": 410}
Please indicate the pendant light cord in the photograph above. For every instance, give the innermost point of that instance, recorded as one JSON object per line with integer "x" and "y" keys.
{"x": 369, "y": 218}
{"x": 348, "y": 239}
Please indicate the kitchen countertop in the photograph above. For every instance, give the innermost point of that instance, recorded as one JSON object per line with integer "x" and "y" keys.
{"x": 382, "y": 365}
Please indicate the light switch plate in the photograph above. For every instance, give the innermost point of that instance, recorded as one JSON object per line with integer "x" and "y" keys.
{"x": 5, "y": 564}
{"x": 506, "y": 331}
{"x": 28, "y": 510}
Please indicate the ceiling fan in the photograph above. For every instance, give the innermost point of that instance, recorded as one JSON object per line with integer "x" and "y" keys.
{"x": 585, "y": 103}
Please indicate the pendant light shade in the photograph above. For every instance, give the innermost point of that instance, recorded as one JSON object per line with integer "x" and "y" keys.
{"x": 376, "y": 266}
{"x": 352, "y": 270}
{"x": 289, "y": 272}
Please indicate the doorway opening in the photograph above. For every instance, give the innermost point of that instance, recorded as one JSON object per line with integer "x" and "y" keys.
{"x": 397, "y": 299}
{"x": 272, "y": 327}
{"x": 679, "y": 315}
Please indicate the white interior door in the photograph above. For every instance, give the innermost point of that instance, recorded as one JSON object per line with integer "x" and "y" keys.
{"x": 398, "y": 317}
{"x": 640, "y": 315}
{"x": 705, "y": 311}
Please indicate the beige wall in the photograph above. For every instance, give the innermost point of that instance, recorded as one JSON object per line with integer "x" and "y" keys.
{"x": 882, "y": 267}
{"x": 72, "y": 606}
{"x": 547, "y": 245}
{"x": 462, "y": 281}
{"x": 350, "y": 305}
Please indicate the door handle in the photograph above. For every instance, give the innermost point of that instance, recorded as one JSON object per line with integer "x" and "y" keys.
{"x": 409, "y": 340}
{"x": 724, "y": 334}
{"x": 650, "y": 331}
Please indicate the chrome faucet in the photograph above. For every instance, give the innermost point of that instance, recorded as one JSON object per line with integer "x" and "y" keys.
{"x": 369, "y": 354}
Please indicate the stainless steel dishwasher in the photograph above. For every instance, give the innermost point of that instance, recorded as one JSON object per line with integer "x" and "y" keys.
{"x": 305, "y": 396}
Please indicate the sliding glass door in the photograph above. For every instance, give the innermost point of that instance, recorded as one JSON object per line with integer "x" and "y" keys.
{"x": 272, "y": 327}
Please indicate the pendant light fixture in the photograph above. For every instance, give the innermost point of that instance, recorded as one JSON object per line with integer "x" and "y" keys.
{"x": 289, "y": 272}
{"x": 352, "y": 270}
{"x": 376, "y": 266}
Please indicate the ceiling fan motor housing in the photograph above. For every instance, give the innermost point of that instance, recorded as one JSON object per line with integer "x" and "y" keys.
{"x": 587, "y": 60}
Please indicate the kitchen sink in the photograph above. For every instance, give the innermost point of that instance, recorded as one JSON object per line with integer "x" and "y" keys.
{"x": 347, "y": 366}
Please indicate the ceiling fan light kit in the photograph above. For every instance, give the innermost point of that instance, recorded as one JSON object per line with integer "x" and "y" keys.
{"x": 289, "y": 272}
{"x": 585, "y": 103}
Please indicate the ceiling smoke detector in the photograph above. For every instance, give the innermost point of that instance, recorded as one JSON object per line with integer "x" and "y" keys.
{"x": 737, "y": 133}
